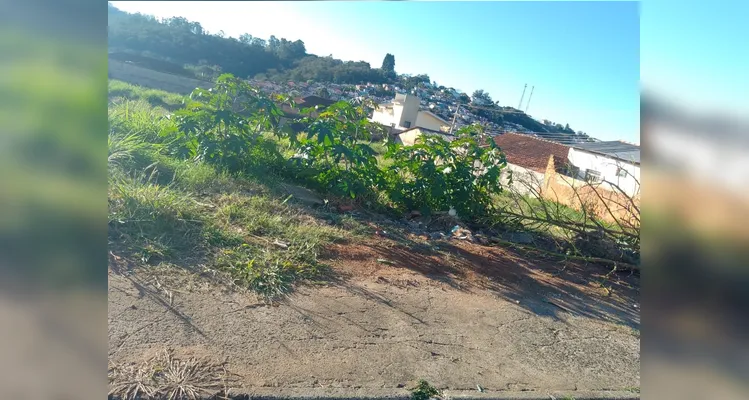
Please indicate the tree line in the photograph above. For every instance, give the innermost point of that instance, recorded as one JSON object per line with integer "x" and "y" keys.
{"x": 181, "y": 41}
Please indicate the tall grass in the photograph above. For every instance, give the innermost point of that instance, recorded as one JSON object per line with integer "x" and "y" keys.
{"x": 153, "y": 220}
{"x": 154, "y": 97}
{"x": 166, "y": 209}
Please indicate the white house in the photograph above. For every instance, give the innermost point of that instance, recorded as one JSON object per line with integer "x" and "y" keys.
{"x": 611, "y": 162}
{"x": 409, "y": 136}
{"x": 403, "y": 113}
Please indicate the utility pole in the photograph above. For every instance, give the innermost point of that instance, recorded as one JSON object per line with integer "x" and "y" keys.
{"x": 529, "y": 99}
{"x": 452, "y": 126}
{"x": 520, "y": 104}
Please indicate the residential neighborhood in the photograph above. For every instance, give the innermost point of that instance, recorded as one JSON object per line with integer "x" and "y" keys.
{"x": 435, "y": 104}
{"x": 428, "y": 110}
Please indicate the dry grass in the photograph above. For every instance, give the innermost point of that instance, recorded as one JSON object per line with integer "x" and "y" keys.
{"x": 166, "y": 377}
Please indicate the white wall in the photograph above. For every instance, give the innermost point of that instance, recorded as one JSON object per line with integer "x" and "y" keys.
{"x": 409, "y": 110}
{"x": 384, "y": 116}
{"x": 524, "y": 181}
{"x": 607, "y": 168}
{"x": 428, "y": 121}
{"x": 404, "y": 108}
{"x": 408, "y": 138}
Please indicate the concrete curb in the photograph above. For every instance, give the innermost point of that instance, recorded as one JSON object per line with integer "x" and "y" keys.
{"x": 402, "y": 394}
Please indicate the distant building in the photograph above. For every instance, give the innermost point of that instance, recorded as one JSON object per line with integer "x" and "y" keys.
{"x": 403, "y": 113}
{"x": 612, "y": 162}
{"x": 409, "y": 136}
{"x": 528, "y": 158}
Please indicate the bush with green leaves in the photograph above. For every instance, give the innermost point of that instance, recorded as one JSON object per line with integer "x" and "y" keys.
{"x": 424, "y": 391}
{"x": 223, "y": 124}
{"x": 436, "y": 174}
{"x": 336, "y": 159}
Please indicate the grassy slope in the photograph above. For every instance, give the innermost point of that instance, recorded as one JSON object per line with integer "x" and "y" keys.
{"x": 163, "y": 209}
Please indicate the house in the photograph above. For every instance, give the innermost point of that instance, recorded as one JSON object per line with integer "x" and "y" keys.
{"x": 409, "y": 136}
{"x": 403, "y": 113}
{"x": 528, "y": 158}
{"x": 611, "y": 162}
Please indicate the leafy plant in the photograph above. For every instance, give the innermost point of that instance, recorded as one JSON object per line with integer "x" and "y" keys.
{"x": 436, "y": 174}
{"x": 332, "y": 148}
{"x": 424, "y": 391}
{"x": 222, "y": 124}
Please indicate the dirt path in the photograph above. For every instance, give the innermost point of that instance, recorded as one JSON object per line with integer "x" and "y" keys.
{"x": 480, "y": 316}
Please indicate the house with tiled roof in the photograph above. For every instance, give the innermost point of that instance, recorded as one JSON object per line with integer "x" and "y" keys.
{"x": 531, "y": 152}
{"x": 528, "y": 158}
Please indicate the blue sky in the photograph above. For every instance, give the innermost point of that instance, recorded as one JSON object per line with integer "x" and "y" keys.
{"x": 582, "y": 57}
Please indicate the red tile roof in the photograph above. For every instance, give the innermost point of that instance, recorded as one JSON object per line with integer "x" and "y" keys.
{"x": 531, "y": 152}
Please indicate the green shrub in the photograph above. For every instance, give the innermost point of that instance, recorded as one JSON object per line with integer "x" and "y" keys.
{"x": 424, "y": 391}
{"x": 437, "y": 175}
{"x": 222, "y": 125}
{"x": 334, "y": 157}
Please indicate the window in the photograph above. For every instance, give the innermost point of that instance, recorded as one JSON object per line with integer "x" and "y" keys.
{"x": 573, "y": 171}
{"x": 592, "y": 176}
{"x": 407, "y": 124}
{"x": 621, "y": 172}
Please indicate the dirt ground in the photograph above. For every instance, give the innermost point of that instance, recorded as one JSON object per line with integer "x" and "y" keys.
{"x": 485, "y": 316}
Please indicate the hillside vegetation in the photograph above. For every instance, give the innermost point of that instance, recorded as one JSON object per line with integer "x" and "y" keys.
{"x": 169, "y": 44}
{"x": 207, "y": 184}
{"x": 204, "y": 181}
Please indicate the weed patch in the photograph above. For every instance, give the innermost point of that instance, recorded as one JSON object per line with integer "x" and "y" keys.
{"x": 424, "y": 391}
{"x": 270, "y": 272}
{"x": 153, "y": 220}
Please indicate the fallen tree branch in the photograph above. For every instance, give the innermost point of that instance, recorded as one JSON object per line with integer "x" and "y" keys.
{"x": 571, "y": 225}
{"x": 622, "y": 266}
